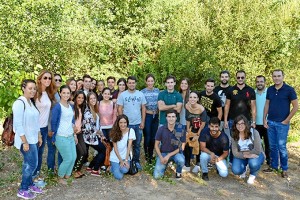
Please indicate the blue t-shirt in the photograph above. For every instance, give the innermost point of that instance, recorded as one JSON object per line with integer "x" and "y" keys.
{"x": 260, "y": 104}
{"x": 280, "y": 101}
{"x": 170, "y": 99}
{"x": 132, "y": 104}
{"x": 169, "y": 142}
{"x": 151, "y": 98}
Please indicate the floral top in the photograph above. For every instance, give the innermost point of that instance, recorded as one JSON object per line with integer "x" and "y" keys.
{"x": 90, "y": 126}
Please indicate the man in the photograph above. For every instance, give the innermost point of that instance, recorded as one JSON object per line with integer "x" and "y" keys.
{"x": 133, "y": 104}
{"x": 221, "y": 91}
{"x": 169, "y": 99}
{"x": 277, "y": 116}
{"x": 240, "y": 100}
{"x": 86, "y": 84}
{"x": 111, "y": 85}
{"x": 214, "y": 146}
{"x": 210, "y": 100}
{"x": 261, "y": 93}
{"x": 169, "y": 144}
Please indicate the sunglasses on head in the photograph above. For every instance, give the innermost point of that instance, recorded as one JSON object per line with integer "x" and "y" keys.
{"x": 57, "y": 80}
{"x": 240, "y": 77}
{"x": 46, "y": 77}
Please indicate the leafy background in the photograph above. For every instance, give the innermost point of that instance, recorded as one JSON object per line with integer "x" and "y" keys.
{"x": 186, "y": 38}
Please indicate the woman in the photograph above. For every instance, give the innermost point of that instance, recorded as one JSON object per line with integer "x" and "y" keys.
{"x": 121, "y": 88}
{"x": 195, "y": 122}
{"x": 184, "y": 90}
{"x": 79, "y": 84}
{"x": 62, "y": 123}
{"x": 122, "y": 138}
{"x": 91, "y": 133}
{"x": 246, "y": 149}
{"x": 107, "y": 113}
{"x": 71, "y": 82}
{"x": 93, "y": 85}
{"x": 79, "y": 107}
{"x": 44, "y": 100}
{"x": 27, "y": 137}
{"x": 151, "y": 121}
{"x": 57, "y": 81}
{"x": 100, "y": 87}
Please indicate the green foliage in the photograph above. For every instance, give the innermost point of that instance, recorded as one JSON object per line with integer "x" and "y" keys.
{"x": 191, "y": 38}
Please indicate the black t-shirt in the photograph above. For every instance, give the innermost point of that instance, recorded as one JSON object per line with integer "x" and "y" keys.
{"x": 216, "y": 145}
{"x": 210, "y": 103}
{"x": 193, "y": 118}
{"x": 221, "y": 92}
{"x": 240, "y": 101}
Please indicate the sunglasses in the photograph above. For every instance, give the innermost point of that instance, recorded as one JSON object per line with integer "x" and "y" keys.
{"x": 240, "y": 77}
{"x": 57, "y": 80}
{"x": 46, "y": 77}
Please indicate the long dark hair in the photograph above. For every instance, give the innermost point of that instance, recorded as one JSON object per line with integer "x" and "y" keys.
{"x": 235, "y": 131}
{"x": 82, "y": 106}
{"x": 116, "y": 133}
{"x": 186, "y": 98}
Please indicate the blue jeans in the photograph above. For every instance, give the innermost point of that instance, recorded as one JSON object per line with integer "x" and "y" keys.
{"x": 136, "y": 143}
{"x": 221, "y": 165}
{"x": 277, "y": 134}
{"x": 44, "y": 133}
{"x": 118, "y": 171}
{"x": 51, "y": 155}
{"x": 66, "y": 147}
{"x": 151, "y": 125}
{"x": 160, "y": 168}
{"x": 239, "y": 165}
{"x": 29, "y": 165}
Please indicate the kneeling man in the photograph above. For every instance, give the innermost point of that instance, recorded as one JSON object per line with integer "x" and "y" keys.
{"x": 169, "y": 144}
{"x": 214, "y": 146}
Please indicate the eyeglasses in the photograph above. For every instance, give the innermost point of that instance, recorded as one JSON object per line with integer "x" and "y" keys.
{"x": 240, "y": 124}
{"x": 46, "y": 77}
{"x": 57, "y": 80}
{"x": 240, "y": 77}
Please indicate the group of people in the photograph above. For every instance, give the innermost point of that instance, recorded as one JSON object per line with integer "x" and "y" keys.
{"x": 218, "y": 125}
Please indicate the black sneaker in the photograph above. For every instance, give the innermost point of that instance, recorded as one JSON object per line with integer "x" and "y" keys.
{"x": 205, "y": 176}
{"x": 268, "y": 170}
{"x": 178, "y": 176}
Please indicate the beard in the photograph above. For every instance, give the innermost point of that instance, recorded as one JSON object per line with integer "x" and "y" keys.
{"x": 224, "y": 82}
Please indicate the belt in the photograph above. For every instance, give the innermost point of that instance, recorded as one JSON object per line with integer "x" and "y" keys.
{"x": 151, "y": 112}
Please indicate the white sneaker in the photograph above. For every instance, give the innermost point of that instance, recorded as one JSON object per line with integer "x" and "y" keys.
{"x": 186, "y": 169}
{"x": 251, "y": 179}
{"x": 243, "y": 175}
{"x": 196, "y": 169}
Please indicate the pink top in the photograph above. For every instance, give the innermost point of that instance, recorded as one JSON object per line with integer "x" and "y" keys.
{"x": 78, "y": 122}
{"x": 108, "y": 114}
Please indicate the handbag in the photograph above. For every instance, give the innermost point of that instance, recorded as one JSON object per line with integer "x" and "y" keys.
{"x": 107, "y": 153}
{"x": 132, "y": 165}
{"x": 8, "y": 135}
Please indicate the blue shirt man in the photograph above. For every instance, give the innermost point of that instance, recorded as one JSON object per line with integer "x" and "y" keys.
{"x": 277, "y": 116}
{"x": 261, "y": 94}
{"x": 133, "y": 104}
{"x": 169, "y": 143}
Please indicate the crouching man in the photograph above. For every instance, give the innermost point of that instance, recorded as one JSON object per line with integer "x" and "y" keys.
{"x": 169, "y": 144}
{"x": 214, "y": 146}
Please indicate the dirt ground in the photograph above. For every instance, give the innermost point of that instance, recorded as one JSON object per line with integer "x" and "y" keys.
{"x": 143, "y": 186}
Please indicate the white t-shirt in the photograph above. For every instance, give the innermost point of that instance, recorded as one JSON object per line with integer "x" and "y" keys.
{"x": 44, "y": 105}
{"x": 65, "y": 125}
{"x": 122, "y": 146}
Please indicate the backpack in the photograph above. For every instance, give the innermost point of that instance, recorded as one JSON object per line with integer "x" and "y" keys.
{"x": 8, "y": 135}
